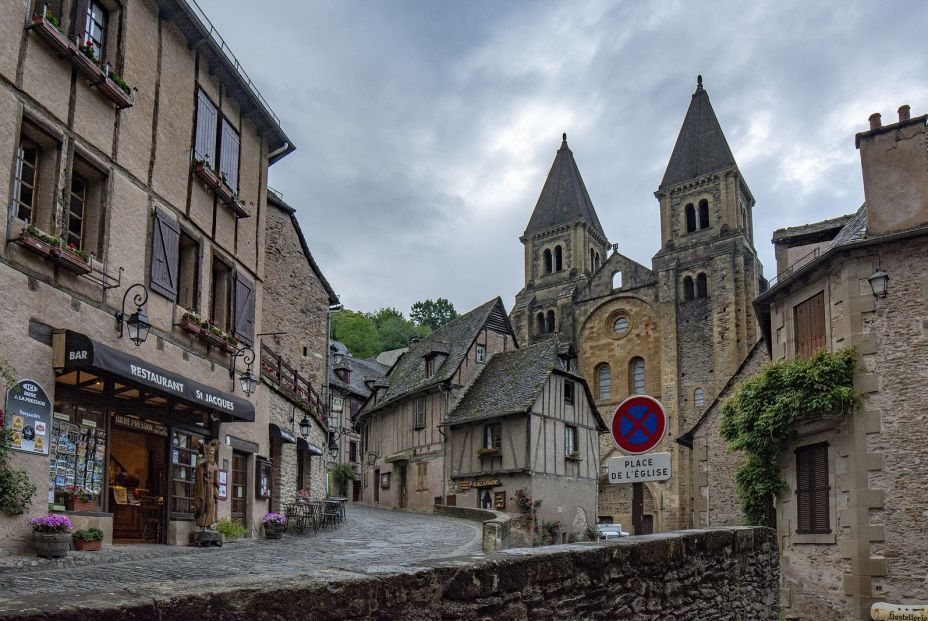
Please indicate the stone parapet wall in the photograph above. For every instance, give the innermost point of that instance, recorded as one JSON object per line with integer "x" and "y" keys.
{"x": 497, "y": 526}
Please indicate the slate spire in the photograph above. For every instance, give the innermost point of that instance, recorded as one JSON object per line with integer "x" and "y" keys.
{"x": 564, "y": 197}
{"x": 701, "y": 146}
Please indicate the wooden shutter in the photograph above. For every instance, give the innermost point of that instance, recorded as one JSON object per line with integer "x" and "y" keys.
{"x": 165, "y": 239}
{"x": 204, "y": 146}
{"x": 244, "y": 309}
{"x": 809, "y": 325}
{"x": 812, "y": 489}
{"x": 228, "y": 155}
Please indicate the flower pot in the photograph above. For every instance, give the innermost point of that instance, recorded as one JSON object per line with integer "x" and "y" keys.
{"x": 85, "y": 65}
{"x": 114, "y": 93}
{"x": 273, "y": 530}
{"x": 52, "y": 545}
{"x": 88, "y": 546}
{"x": 55, "y": 38}
{"x": 205, "y": 174}
{"x": 36, "y": 245}
{"x": 213, "y": 339}
{"x": 70, "y": 260}
{"x": 74, "y": 504}
{"x": 189, "y": 325}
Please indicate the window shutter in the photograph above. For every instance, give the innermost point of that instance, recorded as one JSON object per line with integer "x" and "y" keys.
{"x": 819, "y": 467}
{"x": 228, "y": 155}
{"x": 244, "y": 309}
{"x": 205, "y": 143}
{"x": 812, "y": 489}
{"x": 165, "y": 240}
{"x": 801, "y": 321}
{"x": 817, "y": 322}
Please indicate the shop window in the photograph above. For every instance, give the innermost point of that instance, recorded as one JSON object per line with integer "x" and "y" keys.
{"x": 229, "y": 147}
{"x": 690, "y": 218}
{"x": 812, "y": 490}
{"x": 809, "y": 325}
{"x": 93, "y": 19}
{"x": 571, "y": 443}
{"x": 481, "y": 354}
{"x": 238, "y": 487}
{"x": 493, "y": 436}
{"x": 703, "y": 214}
{"x": 183, "y": 464}
{"x": 77, "y": 452}
{"x": 569, "y": 392}
{"x": 221, "y": 294}
{"x": 636, "y": 368}
{"x": 419, "y": 413}
{"x": 188, "y": 272}
{"x": 422, "y": 476}
{"x": 604, "y": 381}
{"x": 204, "y": 146}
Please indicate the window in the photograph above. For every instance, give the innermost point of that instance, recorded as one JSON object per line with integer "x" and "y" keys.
{"x": 429, "y": 365}
{"x": 548, "y": 264}
{"x": 84, "y": 209}
{"x": 558, "y": 259}
{"x": 617, "y": 280}
{"x": 352, "y": 451}
{"x": 690, "y": 218}
{"x": 493, "y": 436}
{"x": 592, "y": 260}
{"x": 188, "y": 272}
{"x": 604, "y": 381}
{"x": 204, "y": 146}
{"x": 637, "y": 373}
{"x": 571, "y": 446}
{"x": 620, "y": 325}
{"x": 568, "y": 392}
{"x": 809, "y": 325}
{"x": 481, "y": 354}
{"x": 422, "y": 475}
{"x": 24, "y": 180}
{"x": 812, "y": 489}
{"x": 228, "y": 156}
{"x": 540, "y": 323}
{"x": 702, "y": 286}
{"x": 418, "y": 413}
{"x": 689, "y": 291}
{"x": 550, "y": 321}
{"x": 699, "y": 398}
{"x": 703, "y": 214}
{"x": 94, "y": 33}
{"x": 76, "y": 206}
{"x": 221, "y": 294}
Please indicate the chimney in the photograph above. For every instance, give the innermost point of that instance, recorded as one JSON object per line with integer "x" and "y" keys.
{"x": 894, "y": 164}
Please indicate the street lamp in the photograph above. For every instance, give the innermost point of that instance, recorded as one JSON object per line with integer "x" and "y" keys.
{"x": 304, "y": 427}
{"x": 137, "y": 323}
{"x": 333, "y": 445}
{"x": 878, "y": 281}
{"x": 247, "y": 378}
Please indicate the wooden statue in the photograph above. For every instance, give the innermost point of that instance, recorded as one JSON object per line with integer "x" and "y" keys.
{"x": 206, "y": 486}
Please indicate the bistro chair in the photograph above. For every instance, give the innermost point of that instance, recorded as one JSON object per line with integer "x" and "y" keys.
{"x": 330, "y": 514}
{"x": 151, "y": 518}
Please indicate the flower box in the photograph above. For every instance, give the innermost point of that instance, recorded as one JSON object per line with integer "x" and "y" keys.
{"x": 228, "y": 196}
{"x": 36, "y": 245}
{"x": 573, "y": 457}
{"x": 70, "y": 260}
{"x": 213, "y": 339}
{"x": 73, "y": 504}
{"x": 207, "y": 175}
{"x": 190, "y": 325}
{"x": 54, "y": 37}
{"x": 87, "y": 66}
{"x": 488, "y": 453}
{"x": 114, "y": 93}
{"x": 88, "y": 546}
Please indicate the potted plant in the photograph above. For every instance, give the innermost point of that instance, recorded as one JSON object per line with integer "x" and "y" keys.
{"x": 302, "y": 495}
{"x": 49, "y": 28}
{"x": 51, "y": 535}
{"x": 573, "y": 456}
{"x": 115, "y": 88}
{"x": 231, "y": 531}
{"x": 191, "y": 322}
{"x": 204, "y": 173}
{"x": 88, "y": 539}
{"x": 73, "y": 258}
{"x": 488, "y": 453}
{"x": 79, "y": 499}
{"x": 37, "y": 240}
{"x": 274, "y": 525}
{"x": 86, "y": 60}
{"x": 215, "y": 335}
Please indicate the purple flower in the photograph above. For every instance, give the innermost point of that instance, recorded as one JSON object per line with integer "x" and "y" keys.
{"x": 52, "y": 524}
{"x": 278, "y": 518}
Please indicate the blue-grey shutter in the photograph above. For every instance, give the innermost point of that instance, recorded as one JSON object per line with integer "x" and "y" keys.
{"x": 205, "y": 144}
{"x": 244, "y": 320}
{"x": 228, "y": 155}
{"x": 165, "y": 240}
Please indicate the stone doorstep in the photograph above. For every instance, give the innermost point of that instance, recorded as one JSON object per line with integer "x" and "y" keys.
{"x": 23, "y": 563}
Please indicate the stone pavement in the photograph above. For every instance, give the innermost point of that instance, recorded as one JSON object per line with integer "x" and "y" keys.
{"x": 371, "y": 541}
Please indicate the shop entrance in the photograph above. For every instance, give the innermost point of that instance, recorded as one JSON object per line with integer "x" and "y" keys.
{"x": 137, "y": 475}
{"x": 239, "y": 485}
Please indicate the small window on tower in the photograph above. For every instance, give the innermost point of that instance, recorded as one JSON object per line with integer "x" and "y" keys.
{"x": 703, "y": 214}
{"x": 690, "y": 218}
{"x": 558, "y": 259}
{"x": 620, "y": 325}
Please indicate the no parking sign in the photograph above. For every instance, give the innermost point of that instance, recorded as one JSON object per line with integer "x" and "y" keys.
{"x": 639, "y": 424}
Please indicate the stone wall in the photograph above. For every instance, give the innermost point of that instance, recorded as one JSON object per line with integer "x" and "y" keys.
{"x": 701, "y": 574}
{"x": 497, "y": 526}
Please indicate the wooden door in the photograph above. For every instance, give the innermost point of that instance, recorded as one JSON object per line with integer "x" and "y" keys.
{"x": 376, "y": 486}
{"x": 239, "y": 485}
{"x": 401, "y": 473}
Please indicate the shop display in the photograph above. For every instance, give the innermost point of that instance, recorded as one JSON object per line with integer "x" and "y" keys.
{"x": 77, "y": 456}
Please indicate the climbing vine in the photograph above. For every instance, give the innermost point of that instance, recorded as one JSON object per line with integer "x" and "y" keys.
{"x": 16, "y": 489}
{"x": 761, "y": 417}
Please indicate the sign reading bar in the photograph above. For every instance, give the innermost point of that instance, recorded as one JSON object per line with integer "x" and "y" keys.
{"x": 29, "y": 415}
{"x": 639, "y": 468}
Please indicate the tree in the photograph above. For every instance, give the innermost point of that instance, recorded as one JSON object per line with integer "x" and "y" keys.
{"x": 395, "y": 330}
{"x": 357, "y": 331}
{"x": 433, "y": 314}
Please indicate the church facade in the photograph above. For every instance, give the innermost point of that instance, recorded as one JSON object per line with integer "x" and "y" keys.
{"x": 677, "y": 330}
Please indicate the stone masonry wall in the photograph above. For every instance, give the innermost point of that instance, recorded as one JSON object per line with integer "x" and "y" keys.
{"x": 708, "y": 574}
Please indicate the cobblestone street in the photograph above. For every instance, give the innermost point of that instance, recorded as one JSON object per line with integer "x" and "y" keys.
{"x": 370, "y": 541}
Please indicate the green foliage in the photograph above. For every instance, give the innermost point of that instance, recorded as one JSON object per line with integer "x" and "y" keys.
{"x": 433, "y": 314}
{"x": 117, "y": 79}
{"x": 367, "y": 334}
{"x": 341, "y": 475}
{"x": 762, "y": 416}
{"x": 88, "y": 534}
{"x": 394, "y": 329}
{"x": 16, "y": 489}
{"x": 230, "y": 529}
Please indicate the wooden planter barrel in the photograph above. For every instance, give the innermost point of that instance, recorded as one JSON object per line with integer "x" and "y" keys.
{"x": 52, "y": 545}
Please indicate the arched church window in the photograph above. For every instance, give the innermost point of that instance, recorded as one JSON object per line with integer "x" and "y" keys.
{"x": 689, "y": 292}
{"x": 558, "y": 259}
{"x": 702, "y": 286}
{"x": 636, "y": 368}
{"x": 540, "y": 323}
{"x": 690, "y": 218}
{"x": 603, "y": 381}
{"x": 617, "y": 280}
{"x": 703, "y": 214}
{"x": 550, "y": 323}
{"x": 699, "y": 398}
{"x": 548, "y": 264}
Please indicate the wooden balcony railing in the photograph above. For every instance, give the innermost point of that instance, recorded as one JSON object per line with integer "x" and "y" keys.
{"x": 276, "y": 370}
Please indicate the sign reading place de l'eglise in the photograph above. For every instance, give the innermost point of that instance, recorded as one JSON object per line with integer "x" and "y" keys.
{"x": 29, "y": 414}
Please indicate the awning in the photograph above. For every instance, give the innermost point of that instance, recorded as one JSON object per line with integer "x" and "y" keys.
{"x": 302, "y": 444}
{"x": 283, "y": 434}
{"x": 81, "y": 352}
{"x": 401, "y": 456}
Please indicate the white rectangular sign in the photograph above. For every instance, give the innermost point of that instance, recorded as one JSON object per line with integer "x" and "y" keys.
{"x": 639, "y": 468}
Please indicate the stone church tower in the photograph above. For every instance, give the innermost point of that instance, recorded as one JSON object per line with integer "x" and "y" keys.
{"x": 676, "y": 331}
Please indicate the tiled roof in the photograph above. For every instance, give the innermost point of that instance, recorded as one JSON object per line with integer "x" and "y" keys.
{"x": 854, "y": 230}
{"x": 810, "y": 229}
{"x": 564, "y": 197}
{"x": 360, "y": 369}
{"x": 701, "y": 147}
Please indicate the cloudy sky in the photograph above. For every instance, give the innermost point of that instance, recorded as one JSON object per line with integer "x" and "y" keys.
{"x": 425, "y": 129}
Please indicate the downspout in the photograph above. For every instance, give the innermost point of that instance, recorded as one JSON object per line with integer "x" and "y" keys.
{"x": 277, "y": 152}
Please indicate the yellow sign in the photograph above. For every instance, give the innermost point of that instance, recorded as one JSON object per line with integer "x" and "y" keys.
{"x": 882, "y": 611}
{"x": 485, "y": 483}
{"x": 463, "y": 486}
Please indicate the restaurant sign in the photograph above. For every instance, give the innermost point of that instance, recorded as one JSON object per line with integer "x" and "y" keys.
{"x": 144, "y": 426}
{"x": 485, "y": 483}
{"x": 28, "y": 414}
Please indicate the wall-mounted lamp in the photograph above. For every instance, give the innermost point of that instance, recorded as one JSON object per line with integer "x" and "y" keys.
{"x": 247, "y": 378}
{"x": 137, "y": 323}
{"x": 878, "y": 283}
{"x": 305, "y": 425}
{"x": 333, "y": 445}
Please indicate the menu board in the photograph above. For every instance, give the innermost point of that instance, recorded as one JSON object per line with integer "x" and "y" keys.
{"x": 78, "y": 453}
{"x": 28, "y": 412}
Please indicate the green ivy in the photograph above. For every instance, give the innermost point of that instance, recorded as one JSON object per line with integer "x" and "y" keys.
{"x": 341, "y": 475}
{"x": 761, "y": 418}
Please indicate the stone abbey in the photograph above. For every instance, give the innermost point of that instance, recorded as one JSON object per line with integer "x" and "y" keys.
{"x": 677, "y": 330}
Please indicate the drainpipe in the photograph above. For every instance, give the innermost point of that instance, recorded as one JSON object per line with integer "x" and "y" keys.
{"x": 272, "y": 156}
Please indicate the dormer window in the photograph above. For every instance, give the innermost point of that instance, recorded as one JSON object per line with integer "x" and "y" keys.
{"x": 344, "y": 375}
{"x": 481, "y": 354}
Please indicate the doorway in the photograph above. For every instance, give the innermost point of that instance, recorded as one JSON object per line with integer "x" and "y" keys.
{"x": 401, "y": 474}
{"x": 642, "y": 523}
{"x": 486, "y": 500}
{"x": 137, "y": 480}
{"x": 239, "y": 484}
{"x": 377, "y": 486}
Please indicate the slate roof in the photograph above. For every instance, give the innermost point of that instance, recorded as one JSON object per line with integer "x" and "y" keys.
{"x": 855, "y": 230}
{"x": 564, "y": 197}
{"x": 408, "y": 374}
{"x": 510, "y": 383}
{"x": 361, "y": 369}
{"x": 701, "y": 147}
{"x": 813, "y": 229}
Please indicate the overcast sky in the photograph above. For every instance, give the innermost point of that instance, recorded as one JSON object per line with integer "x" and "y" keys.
{"x": 425, "y": 130}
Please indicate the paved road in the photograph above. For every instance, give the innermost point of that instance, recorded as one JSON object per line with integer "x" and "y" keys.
{"x": 370, "y": 541}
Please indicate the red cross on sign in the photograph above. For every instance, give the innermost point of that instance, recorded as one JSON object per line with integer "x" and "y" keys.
{"x": 639, "y": 424}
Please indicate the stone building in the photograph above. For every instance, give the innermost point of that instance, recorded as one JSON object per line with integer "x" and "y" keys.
{"x": 676, "y": 331}
{"x": 144, "y": 175}
{"x": 527, "y": 424}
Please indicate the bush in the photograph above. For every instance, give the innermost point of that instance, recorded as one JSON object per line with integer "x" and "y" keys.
{"x": 89, "y": 534}
{"x": 230, "y": 529}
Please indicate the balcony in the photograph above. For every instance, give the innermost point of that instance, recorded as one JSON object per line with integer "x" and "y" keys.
{"x": 289, "y": 381}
